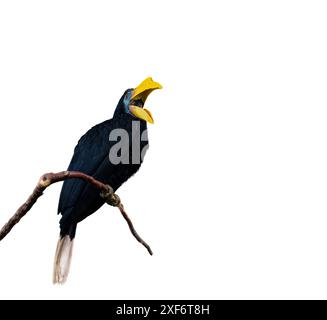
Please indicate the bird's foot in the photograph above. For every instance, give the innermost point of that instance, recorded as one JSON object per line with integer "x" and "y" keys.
{"x": 110, "y": 197}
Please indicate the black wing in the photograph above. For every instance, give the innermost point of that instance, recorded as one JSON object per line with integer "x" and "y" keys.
{"x": 89, "y": 153}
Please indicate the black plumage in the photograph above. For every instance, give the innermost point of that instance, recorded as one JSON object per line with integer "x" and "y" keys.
{"x": 78, "y": 199}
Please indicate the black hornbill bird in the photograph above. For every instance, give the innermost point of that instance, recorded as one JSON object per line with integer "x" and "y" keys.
{"x": 93, "y": 156}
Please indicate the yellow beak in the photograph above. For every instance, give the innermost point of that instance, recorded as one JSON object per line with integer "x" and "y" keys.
{"x": 141, "y": 92}
{"x": 141, "y": 113}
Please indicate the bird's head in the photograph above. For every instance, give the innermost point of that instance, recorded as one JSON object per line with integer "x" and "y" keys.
{"x": 132, "y": 101}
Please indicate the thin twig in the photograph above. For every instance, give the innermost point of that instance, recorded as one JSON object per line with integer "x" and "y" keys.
{"x": 131, "y": 227}
{"x": 48, "y": 179}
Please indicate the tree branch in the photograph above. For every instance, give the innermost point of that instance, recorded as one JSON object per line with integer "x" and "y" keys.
{"x": 131, "y": 227}
{"x": 49, "y": 178}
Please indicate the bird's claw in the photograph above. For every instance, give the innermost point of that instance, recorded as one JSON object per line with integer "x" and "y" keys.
{"x": 110, "y": 197}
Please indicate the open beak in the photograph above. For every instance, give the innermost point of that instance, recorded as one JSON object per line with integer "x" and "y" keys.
{"x": 139, "y": 96}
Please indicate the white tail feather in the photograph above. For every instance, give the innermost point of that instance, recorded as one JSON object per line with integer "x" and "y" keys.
{"x": 62, "y": 259}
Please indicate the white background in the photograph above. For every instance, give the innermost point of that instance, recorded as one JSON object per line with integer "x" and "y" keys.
{"x": 232, "y": 193}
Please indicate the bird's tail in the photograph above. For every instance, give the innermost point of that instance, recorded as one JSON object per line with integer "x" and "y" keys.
{"x": 62, "y": 259}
